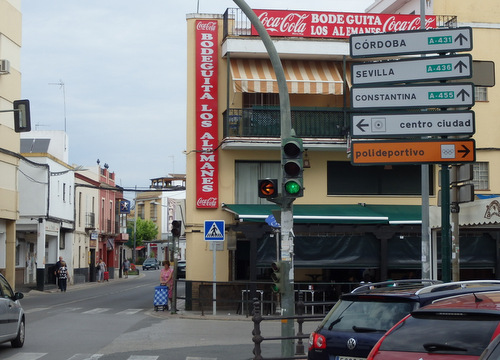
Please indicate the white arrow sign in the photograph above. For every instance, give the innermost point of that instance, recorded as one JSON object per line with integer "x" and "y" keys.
{"x": 439, "y": 41}
{"x": 413, "y": 96}
{"x": 424, "y": 69}
{"x": 437, "y": 123}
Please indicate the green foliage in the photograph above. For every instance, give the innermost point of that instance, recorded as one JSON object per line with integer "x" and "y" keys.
{"x": 146, "y": 231}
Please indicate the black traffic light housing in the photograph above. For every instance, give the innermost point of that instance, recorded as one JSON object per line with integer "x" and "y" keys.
{"x": 277, "y": 277}
{"x": 176, "y": 228}
{"x": 268, "y": 188}
{"x": 22, "y": 117}
{"x": 292, "y": 151}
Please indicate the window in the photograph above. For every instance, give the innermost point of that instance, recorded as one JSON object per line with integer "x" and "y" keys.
{"x": 481, "y": 176}
{"x": 247, "y": 175}
{"x": 153, "y": 211}
{"x": 481, "y": 93}
{"x": 260, "y": 99}
{"x": 64, "y": 192}
{"x": 346, "y": 179}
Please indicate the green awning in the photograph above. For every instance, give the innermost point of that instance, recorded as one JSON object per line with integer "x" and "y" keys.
{"x": 332, "y": 214}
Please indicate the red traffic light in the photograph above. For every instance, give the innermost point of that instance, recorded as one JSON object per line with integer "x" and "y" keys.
{"x": 268, "y": 188}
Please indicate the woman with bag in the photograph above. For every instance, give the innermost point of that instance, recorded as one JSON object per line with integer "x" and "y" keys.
{"x": 101, "y": 268}
{"x": 167, "y": 278}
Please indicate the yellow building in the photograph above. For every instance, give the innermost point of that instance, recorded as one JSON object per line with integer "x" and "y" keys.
{"x": 352, "y": 220}
{"x": 10, "y": 90}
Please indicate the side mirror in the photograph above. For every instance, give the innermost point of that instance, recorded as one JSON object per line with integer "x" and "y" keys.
{"x": 18, "y": 296}
{"x": 22, "y": 117}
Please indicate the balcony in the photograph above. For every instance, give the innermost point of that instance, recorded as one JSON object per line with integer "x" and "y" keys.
{"x": 90, "y": 221}
{"x": 265, "y": 122}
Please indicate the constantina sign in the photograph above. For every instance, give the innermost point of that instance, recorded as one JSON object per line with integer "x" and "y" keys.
{"x": 207, "y": 190}
{"x": 335, "y": 24}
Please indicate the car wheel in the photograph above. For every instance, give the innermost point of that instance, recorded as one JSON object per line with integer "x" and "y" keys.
{"x": 19, "y": 340}
{"x": 143, "y": 268}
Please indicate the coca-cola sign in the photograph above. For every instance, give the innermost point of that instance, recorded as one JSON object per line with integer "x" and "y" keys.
{"x": 207, "y": 189}
{"x": 335, "y": 25}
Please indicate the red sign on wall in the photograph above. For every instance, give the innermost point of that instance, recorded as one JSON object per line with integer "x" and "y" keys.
{"x": 335, "y": 25}
{"x": 207, "y": 190}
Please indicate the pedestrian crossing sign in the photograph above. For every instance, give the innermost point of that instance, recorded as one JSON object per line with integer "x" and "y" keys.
{"x": 214, "y": 230}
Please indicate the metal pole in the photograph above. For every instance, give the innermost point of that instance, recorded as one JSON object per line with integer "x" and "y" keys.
{"x": 214, "y": 287}
{"x": 287, "y": 298}
{"x": 445, "y": 225}
{"x": 426, "y": 253}
{"x": 135, "y": 225}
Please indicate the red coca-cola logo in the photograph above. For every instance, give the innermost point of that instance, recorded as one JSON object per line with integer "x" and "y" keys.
{"x": 292, "y": 23}
{"x": 207, "y": 26}
{"x": 208, "y": 202}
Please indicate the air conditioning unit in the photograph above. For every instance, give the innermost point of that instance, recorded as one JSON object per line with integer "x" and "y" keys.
{"x": 4, "y": 67}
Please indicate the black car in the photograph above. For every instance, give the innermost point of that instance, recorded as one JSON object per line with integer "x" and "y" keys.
{"x": 360, "y": 318}
{"x": 181, "y": 269}
{"x": 12, "y": 320}
{"x": 149, "y": 264}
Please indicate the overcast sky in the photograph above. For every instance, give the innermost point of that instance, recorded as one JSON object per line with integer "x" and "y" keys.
{"x": 123, "y": 66}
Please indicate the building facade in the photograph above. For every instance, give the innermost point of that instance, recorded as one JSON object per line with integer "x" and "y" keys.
{"x": 10, "y": 90}
{"x": 352, "y": 220}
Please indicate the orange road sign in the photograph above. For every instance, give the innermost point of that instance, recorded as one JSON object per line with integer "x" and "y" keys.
{"x": 413, "y": 152}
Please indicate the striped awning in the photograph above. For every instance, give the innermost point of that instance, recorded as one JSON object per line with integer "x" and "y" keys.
{"x": 303, "y": 77}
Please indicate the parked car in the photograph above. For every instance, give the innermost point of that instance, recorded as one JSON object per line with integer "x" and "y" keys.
{"x": 12, "y": 319}
{"x": 459, "y": 327}
{"x": 181, "y": 269}
{"x": 150, "y": 264}
{"x": 360, "y": 318}
{"x": 492, "y": 352}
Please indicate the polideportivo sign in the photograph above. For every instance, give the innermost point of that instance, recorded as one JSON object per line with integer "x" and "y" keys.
{"x": 207, "y": 189}
{"x": 335, "y": 24}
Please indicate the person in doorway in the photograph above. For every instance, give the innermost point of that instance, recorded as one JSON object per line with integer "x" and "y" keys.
{"x": 167, "y": 278}
{"x": 101, "y": 268}
{"x": 63, "y": 276}
{"x": 56, "y": 270}
{"x": 126, "y": 267}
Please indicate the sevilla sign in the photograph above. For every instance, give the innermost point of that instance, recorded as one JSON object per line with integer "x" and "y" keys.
{"x": 207, "y": 190}
{"x": 335, "y": 25}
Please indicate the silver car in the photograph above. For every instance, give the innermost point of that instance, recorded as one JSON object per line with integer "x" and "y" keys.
{"x": 12, "y": 320}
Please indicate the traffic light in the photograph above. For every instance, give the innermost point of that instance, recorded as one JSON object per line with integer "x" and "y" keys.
{"x": 176, "y": 228}
{"x": 268, "y": 188}
{"x": 22, "y": 117}
{"x": 293, "y": 167}
{"x": 277, "y": 276}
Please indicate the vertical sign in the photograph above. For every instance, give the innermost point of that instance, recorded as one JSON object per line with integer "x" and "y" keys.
{"x": 207, "y": 190}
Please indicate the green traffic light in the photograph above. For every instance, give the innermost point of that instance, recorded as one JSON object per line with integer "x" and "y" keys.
{"x": 292, "y": 187}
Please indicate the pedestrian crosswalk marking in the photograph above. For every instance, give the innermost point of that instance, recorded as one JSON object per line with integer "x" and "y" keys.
{"x": 29, "y": 311}
{"x": 142, "y": 357}
{"x": 97, "y": 311}
{"x": 129, "y": 311}
{"x": 36, "y": 356}
{"x": 26, "y": 356}
{"x": 86, "y": 357}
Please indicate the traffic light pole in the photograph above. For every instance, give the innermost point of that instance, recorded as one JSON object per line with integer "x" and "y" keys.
{"x": 287, "y": 296}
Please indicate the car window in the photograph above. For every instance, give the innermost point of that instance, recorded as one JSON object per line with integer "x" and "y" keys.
{"x": 450, "y": 335}
{"x": 5, "y": 289}
{"x": 362, "y": 316}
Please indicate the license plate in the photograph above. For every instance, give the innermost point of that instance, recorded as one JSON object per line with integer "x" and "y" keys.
{"x": 348, "y": 358}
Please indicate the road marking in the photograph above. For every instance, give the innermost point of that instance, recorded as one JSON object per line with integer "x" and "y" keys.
{"x": 129, "y": 311}
{"x": 86, "y": 357}
{"x": 27, "y": 356}
{"x": 30, "y": 311}
{"x": 142, "y": 357}
{"x": 199, "y": 358}
{"x": 97, "y": 311}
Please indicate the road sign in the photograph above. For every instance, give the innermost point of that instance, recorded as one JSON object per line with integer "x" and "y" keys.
{"x": 439, "y": 41}
{"x": 424, "y": 123}
{"x": 214, "y": 230}
{"x": 413, "y": 152}
{"x": 413, "y": 96}
{"x": 423, "y": 69}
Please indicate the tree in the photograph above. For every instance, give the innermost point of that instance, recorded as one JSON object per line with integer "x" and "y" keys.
{"x": 146, "y": 231}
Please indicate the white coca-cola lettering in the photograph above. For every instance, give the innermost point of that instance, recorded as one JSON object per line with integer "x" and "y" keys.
{"x": 291, "y": 23}
{"x": 208, "y": 202}
{"x": 210, "y": 26}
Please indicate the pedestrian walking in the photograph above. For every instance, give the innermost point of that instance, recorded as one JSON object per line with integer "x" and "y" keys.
{"x": 101, "y": 268}
{"x": 63, "y": 276}
{"x": 167, "y": 278}
{"x": 126, "y": 268}
{"x": 56, "y": 270}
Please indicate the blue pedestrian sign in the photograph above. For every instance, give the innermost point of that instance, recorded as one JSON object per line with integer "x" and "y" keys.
{"x": 214, "y": 230}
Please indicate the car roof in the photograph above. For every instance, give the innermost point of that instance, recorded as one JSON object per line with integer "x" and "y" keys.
{"x": 488, "y": 301}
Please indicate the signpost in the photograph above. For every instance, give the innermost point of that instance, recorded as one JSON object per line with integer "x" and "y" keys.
{"x": 414, "y": 152}
{"x": 442, "y": 123}
{"x": 421, "y": 69}
{"x": 214, "y": 231}
{"x": 413, "y": 96}
{"x": 438, "y": 41}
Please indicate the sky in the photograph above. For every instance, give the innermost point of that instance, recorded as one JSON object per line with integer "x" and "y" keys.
{"x": 112, "y": 73}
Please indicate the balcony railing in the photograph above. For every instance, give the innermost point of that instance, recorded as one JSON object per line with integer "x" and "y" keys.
{"x": 236, "y": 22}
{"x": 265, "y": 122}
{"x": 90, "y": 220}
